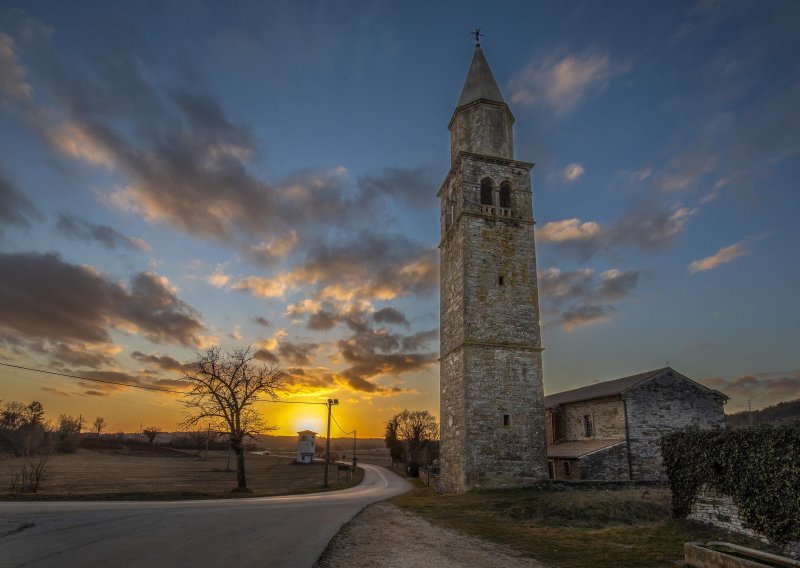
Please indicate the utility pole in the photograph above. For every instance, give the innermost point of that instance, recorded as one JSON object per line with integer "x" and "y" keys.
{"x": 208, "y": 436}
{"x": 331, "y": 402}
{"x": 80, "y": 423}
{"x": 355, "y": 459}
{"x": 749, "y": 414}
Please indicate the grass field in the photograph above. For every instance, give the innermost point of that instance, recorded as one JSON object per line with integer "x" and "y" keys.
{"x": 573, "y": 528}
{"x": 90, "y": 474}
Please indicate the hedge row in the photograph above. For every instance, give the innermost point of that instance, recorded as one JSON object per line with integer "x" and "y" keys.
{"x": 759, "y": 467}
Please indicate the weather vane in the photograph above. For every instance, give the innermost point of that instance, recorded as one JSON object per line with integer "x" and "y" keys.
{"x": 478, "y": 35}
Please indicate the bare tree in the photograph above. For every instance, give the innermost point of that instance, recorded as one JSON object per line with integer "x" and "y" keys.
{"x": 151, "y": 432}
{"x": 224, "y": 387}
{"x": 393, "y": 442}
{"x": 416, "y": 428}
{"x": 99, "y": 424}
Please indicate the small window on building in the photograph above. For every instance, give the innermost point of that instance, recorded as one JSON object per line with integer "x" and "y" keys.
{"x": 588, "y": 429}
{"x": 500, "y": 281}
{"x": 505, "y": 195}
{"x": 567, "y": 469}
{"x": 487, "y": 189}
{"x": 303, "y": 438}
{"x": 506, "y": 420}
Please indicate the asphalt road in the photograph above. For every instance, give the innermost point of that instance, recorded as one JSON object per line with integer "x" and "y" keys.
{"x": 289, "y": 531}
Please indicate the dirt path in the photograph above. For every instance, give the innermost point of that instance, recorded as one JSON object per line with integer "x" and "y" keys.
{"x": 383, "y": 535}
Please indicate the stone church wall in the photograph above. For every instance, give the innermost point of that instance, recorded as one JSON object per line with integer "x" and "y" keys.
{"x": 610, "y": 464}
{"x": 660, "y": 405}
{"x": 607, "y": 416}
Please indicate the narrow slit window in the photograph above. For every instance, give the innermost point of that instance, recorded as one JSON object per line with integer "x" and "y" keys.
{"x": 588, "y": 429}
{"x": 506, "y": 420}
{"x": 567, "y": 469}
{"x": 500, "y": 281}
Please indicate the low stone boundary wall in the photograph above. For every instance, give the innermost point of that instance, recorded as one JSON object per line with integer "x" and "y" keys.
{"x": 711, "y": 508}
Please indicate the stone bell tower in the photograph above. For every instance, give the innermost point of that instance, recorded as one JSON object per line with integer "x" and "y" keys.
{"x": 492, "y": 402}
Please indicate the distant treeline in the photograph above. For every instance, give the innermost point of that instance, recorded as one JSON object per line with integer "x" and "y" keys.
{"x": 781, "y": 412}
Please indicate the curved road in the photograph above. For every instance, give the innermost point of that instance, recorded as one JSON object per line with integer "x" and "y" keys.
{"x": 290, "y": 531}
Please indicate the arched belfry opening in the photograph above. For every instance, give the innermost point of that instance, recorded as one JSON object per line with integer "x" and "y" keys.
{"x": 487, "y": 191}
{"x": 505, "y": 194}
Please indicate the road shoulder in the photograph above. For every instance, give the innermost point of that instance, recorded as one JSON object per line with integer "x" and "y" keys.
{"x": 385, "y": 535}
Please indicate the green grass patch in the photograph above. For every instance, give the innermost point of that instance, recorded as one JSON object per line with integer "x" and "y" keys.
{"x": 572, "y": 528}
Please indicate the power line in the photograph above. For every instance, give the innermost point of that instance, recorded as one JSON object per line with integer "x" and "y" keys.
{"x": 143, "y": 387}
{"x": 105, "y": 381}
{"x": 340, "y": 428}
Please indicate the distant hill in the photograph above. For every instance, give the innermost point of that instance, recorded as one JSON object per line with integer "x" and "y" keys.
{"x": 781, "y": 412}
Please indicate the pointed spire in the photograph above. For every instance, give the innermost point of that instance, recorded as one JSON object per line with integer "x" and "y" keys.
{"x": 480, "y": 83}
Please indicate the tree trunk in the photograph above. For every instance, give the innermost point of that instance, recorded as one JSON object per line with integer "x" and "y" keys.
{"x": 241, "y": 479}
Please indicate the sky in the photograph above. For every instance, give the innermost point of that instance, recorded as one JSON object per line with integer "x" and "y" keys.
{"x": 181, "y": 174}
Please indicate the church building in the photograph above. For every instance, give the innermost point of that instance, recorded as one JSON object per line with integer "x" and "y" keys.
{"x": 492, "y": 400}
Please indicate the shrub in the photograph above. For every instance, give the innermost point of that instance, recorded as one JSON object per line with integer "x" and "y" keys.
{"x": 758, "y": 467}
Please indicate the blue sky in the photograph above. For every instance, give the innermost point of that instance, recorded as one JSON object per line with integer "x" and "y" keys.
{"x": 171, "y": 172}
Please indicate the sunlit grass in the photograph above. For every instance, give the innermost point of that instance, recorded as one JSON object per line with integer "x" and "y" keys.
{"x": 573, "y": 528}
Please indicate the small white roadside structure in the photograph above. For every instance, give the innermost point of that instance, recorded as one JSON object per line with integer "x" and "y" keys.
{"x": 306, "y": 442}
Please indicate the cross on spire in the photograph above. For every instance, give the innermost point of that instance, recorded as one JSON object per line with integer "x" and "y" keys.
{"x": 478, "y": 35}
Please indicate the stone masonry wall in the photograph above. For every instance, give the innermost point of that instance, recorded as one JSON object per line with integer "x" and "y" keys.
{"x": 720, "y": 511}
{"x": 607, "y": 416}
{"x": 660, "y": 405}
{"x": 482, "y": 128}
{"x": 500, "y": 383}
{"x": 490, "y": 345}
{"x": 609, "y": 464}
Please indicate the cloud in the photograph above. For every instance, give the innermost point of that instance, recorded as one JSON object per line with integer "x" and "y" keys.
{"x": 296, "y": 353}
{"x": 375, "y": 353}
{"x": 81, "y": 355}
{"x": 261, "y": 286}
{"x": 260, "y": 320}
{"x": 646, "y": 227}
{"x": 266, "y": 253}
{"x": 218, "y": 279}
{"x": 568, "y": 230}
{"x": 109, "y": 237}
{"x": 44, "y": 297}
{"x": 616, "y": 285}
{"x": 722, "y": 256}
{"x": 563, "y": 83}
{"x": 583, "y": 315}
{"x": 370, "y": 266}
{"x": 13, "y": 84}
{"x": 415, "y": 187}
{"x": 761, "y": 389}
{"x": 390, "y": 315}
{"x": 572, "y": 172}
{"x": 577, "y": 298}
{"x": 164, "y": 362}
{"x": 184, "y": 160}
{"x": 16, "y": 207}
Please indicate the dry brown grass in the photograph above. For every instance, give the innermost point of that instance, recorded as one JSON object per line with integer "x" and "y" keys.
{"x": 570, "y": 528}
{"x": 106, "y": 475}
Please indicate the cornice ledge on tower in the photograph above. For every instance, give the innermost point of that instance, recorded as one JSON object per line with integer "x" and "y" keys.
{"x": 491, "y": 159}
{"x": 482, "y": 101}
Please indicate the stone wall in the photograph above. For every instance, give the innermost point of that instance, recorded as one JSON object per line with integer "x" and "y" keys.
{"x": 608, "y": 464}
{"x": 667, "y": 402}
{"x": 607, "y": 416}
{"x": 492, "y": 401}
{"x": 720, "y": 511}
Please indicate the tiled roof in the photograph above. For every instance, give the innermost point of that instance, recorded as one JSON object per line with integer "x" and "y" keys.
{"x": 612, "y": 388}
{"x": 599, "y": 390}
{"x": 579, "y": 448}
